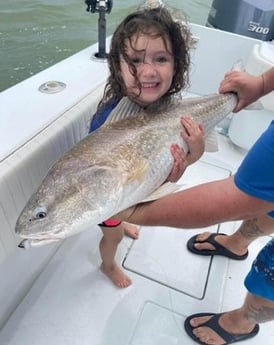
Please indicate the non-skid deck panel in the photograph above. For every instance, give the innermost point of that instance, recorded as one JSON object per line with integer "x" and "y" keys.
{"x": 161, "y": 326}
{"x": 158, "y": 325}
{"x": 147, "y": 256}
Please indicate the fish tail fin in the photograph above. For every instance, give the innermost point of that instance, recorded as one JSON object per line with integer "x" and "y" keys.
{"x": 238, "y": 66}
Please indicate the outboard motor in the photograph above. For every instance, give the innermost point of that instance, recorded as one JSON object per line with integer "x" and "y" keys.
{"x": 252, "y": 18}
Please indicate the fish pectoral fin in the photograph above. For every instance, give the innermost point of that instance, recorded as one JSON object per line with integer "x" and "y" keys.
{"x": 82, "y": 199}
{"x": 163, "y": 190}
{"x": 211, "y": 142}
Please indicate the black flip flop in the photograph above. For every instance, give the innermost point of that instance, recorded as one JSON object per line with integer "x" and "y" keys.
{"x": 219, "y": 249}
{"x": 213, "y": 323}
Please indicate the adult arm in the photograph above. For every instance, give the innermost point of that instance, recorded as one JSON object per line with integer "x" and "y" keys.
{"x": 200, "y": 206}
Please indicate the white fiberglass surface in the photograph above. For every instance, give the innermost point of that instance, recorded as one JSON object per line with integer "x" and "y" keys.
{"x": 165, "y": 328}
{"x": 73, "y": 303}
{"x": 33, "y": 111}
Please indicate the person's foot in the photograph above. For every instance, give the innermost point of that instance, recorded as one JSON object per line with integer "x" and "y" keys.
{"x": 131, "y": 230}
{"x": 116, "y": 275}
{"x": 204, "y": 243}
{"x": 220, "y": 329}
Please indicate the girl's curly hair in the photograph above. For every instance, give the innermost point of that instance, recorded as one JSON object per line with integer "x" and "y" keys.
{"x": 155, "y": 22}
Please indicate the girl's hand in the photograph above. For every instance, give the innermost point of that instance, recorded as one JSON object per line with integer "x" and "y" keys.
{"x": 193, "y": 135}
{"x": 180, "y": 163}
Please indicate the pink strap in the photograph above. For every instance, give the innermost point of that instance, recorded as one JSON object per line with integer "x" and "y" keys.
{"x": 111, "y": 223}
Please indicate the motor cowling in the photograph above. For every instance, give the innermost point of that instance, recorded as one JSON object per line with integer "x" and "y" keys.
{"x": 252, "y": 18}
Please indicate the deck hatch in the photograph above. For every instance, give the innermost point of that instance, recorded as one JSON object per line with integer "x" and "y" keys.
{"x": 157, "y": 255}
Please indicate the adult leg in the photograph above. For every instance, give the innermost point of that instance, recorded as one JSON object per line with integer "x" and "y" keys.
{"x": 238, "y": 242}
{"x": 239, "y": 322}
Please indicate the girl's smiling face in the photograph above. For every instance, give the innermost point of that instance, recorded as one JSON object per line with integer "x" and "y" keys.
{"x": 154, "y": 63}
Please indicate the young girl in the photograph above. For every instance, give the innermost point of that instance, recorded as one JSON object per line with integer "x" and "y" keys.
{"x": 149, "y": 63}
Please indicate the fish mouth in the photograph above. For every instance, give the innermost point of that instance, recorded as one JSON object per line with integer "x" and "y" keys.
{"x": 34, "y": 233}
{"x": 39, "y": 239}
{"x": 27, "y": 243}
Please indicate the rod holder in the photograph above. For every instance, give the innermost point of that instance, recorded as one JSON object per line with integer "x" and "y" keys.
{"x": 102, "y": 7}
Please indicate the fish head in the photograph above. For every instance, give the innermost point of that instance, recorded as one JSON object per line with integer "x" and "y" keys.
{"x": 67, "y": 204}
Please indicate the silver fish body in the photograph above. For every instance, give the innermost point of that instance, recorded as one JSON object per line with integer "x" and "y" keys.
{"x": 113, "y": 168}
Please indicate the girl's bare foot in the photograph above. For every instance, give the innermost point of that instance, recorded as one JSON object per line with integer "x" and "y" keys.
{"x": 116, "y": 275}
{"x": 131, "y": 230}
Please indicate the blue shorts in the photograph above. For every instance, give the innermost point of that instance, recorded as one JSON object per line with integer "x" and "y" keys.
{"x": 260, "y": 279}
{"x": 271, "y": 214}
{"x": 255, "y": 177}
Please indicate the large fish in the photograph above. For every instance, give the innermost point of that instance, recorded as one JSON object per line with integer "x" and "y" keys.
{"x": 119, "y": 165}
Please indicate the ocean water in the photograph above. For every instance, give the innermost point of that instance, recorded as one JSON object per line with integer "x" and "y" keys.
{"x": 35, "y": 34}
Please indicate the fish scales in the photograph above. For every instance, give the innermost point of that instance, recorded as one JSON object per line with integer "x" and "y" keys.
{"x": 115, "y": 167}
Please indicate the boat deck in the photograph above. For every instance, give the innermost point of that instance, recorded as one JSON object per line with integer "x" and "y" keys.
{"x": 73, "y": 303}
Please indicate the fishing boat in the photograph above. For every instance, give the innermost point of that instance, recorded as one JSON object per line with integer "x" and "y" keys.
{"x": 56, "y": 294}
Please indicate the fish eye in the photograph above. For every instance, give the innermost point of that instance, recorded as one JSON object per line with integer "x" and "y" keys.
{"x": 40, "y": 212}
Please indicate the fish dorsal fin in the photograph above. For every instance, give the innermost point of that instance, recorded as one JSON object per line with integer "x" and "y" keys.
{"x": 165, "y": 189}
{"x": 211, "y": 142}
{"x": 124, "y": 109}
